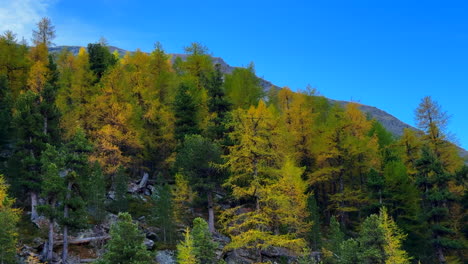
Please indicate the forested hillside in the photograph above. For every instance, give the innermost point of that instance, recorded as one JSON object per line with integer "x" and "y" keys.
{"x": 144, "y": 158}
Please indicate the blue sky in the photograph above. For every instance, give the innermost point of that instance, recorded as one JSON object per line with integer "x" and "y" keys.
{"x": 387, "y": 54}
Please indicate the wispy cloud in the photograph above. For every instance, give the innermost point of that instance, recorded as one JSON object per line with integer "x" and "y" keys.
{"x": 21, "y": 16}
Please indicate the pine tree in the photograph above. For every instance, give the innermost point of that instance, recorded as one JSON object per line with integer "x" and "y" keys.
{"x": 433, "y": 181}
{"x": 53, "y": 189}
{"x": 96, "y": 194}
{"x": 218, "y": 108}
{"x": 185, "y": 112}
{"x": 9, "y": 217}
{"x": 186, "y": 250}
{"x": 76, "y": 169}
{"x": 371, "y": 241}
{"x": 6, "y": 118}
{"x": 315, "y": 235}
{"x": 197, "y": 159}
{"x": 126, "y": 244}
{"x": 163, "y": 213}
{"x": 120, "y": 203}
{"x": 100, "y": 59}
{"x": 335, "y": 238}
{"x": 203, "y": 245}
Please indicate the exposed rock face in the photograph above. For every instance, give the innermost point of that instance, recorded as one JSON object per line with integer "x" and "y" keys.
{"x": 391, "y": 123}
{"x": 165, "y": 257}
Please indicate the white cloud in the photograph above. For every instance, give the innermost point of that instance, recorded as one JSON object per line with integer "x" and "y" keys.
{"x": 21, "y": 16}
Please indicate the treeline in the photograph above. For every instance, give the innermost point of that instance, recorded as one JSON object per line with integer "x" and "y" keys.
{"x": 271, "y": 168}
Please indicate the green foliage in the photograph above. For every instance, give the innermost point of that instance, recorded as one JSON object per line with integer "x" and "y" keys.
{"x": 371, "y": 241}
{"x": 243, "y": 87}
{"x": 95, "y": 193}
{"x": 163, "y": 213}
{"x": 197, "y": 159}
{"x": 126, "y": 244}
{"x": 314, "y": 236}
{"x": 335, "y": 238}
{"x": 218, "y": 108}
{"x": 100, "y": 59}
{"x": 120, "y": 203}
{"x": 204, "y": 247}
{"x": 9, "y": 217}
{"x": 433, "y": 181}
{"x": 185, "y": 112}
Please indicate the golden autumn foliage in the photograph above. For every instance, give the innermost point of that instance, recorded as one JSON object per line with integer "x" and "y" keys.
{"x": 395, "y": 254}
{"x": 254, "y": 131}
{"x": 9, "y": 217}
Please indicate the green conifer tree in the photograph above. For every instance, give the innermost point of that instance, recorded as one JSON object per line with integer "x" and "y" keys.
{"x": 204, "y": 247}
{"x": 126, "y": 244}
{"x": 163, "y": 213}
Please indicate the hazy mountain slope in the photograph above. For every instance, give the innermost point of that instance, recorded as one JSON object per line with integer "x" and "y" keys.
{"x": 391, "y": 123}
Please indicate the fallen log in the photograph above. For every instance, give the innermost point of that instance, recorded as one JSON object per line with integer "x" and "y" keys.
{"x": 85, "y": 240}
{"x": 87, "y": 260}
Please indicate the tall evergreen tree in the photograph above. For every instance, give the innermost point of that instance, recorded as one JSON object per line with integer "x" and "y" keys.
{"x": 197, "y": 158}
{"x": 371, "y": 241}
{"x": 185, "y": 111}
{"x": 100, "y": 59}
{"x": 433, "y": 181}
{"x": 204, "y": 247}
{"x": 126, "y": 244}
{"x": 76, "y": 170}
{"x": 163, "y": 213}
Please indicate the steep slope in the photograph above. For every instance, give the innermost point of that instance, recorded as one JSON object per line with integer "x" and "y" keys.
{"x": 391, "y": 123}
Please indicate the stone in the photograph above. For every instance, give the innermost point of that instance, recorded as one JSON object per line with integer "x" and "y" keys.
{"x": 149, "y": 243}
{"x": 165, "y": 257}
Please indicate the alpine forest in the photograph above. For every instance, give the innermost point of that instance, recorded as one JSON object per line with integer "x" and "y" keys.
{"x": 132, "y": 158}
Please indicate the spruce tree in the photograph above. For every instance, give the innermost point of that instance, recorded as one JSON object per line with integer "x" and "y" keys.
{"x": 95, "y": 193}
{"x": 433, "y": 181}
{"x": 371, "y": 241}
{"x": 126, "y": 244}
{"x": 100, "y": 59}
{"x": 204, "y": 247}
{"x": 163, "y": 213}
{"x": 185, "y": 112}
{"x": 218, "y": 108}
{"x": 120, "y": 203}
{"x": 76, "y": 170}
{"x": 197, "y": 159}
{"x": 314, "y": 235}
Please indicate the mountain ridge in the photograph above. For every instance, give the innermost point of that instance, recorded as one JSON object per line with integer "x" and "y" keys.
{"x": 390, "y": 122}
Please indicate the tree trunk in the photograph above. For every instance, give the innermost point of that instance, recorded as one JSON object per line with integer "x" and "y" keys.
{"x": 45, "y": 125}
{"x": 259, "y": 255}
{"x": 34, "y": 214}
{"x": 210, "y": 212}
{"x": 50, "y": 243}
{"x": 440, "y": 255}
{"x": 144, "y": 181}
{"x": 341, "y": 190}
{"x": 66, "y": 215}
